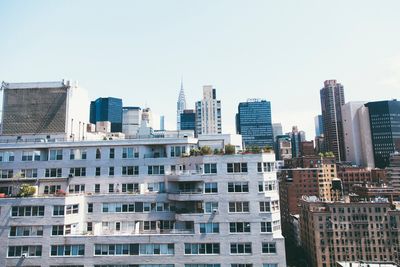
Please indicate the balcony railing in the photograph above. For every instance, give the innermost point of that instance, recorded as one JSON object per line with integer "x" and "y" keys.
{"x": 155, "y": 155}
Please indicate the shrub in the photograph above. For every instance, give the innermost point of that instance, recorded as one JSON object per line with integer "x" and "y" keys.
{"x": 229, "y": 149}
{"x": 26, "y": 190}
{"x": 206, "y": 150}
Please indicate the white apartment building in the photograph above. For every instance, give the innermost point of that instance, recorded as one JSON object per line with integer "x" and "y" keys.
{"x": 137, "y": 203}
{"x": 208, "y": 112}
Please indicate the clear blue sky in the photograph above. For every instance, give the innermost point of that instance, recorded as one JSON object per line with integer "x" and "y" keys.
{"x": 137, "y": 50}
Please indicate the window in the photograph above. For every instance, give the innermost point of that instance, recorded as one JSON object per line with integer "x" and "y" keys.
{"x": 57, "y": 230}
{"x": 268, "y": 247}
{"x": 266, "y": 186}
{"x": 270, "y": 265}
{"x": 177, "y": 151}
{"x": 201, "y": 248}
{"x": 269, "y": 206}
{"x": 266, "y": 227}
{"x": 137, "y": 207}
{"x": 26, "y": 231}
{"x": 210, "y": 188}
{"x": 156, "y": 187}
{"x": 67, "y": 250}
{"x": 239, "y": 207}
{"x": 72, "y": 209}
{"x": 241, "y": 265}
{"x": 210, "y": 207}
{"x": 55, "y": 154}
{"x": 89, "y": 227}
{"x": 76, "y": 188}
{"x": 133, "y": 249}
{"x": 110, "y": 188}
{"x": 130, "y": 170}
{"x": 6, "y": 156}
{"x": 129, "y": 153}
{"x": 98, "y": 153}
{"x": 30, "y": 155}
{"x": 130, "y": 188}
{"x": 77, "y": 154}
{"x": 210, "y": 168}
{"x": 239, "y": 227}
{"x": 236, "y": 167}
{"x": 27, "y": 211}
{"x": 29, "y": 251}
{"x": 203, "y": 265}
{"x": 90, "y": 208}
{"x": 238, "y": 187}
{"x": 155, "y": 170}
{"x": 58, "y": 210}
{"x": 51, "y": 189}
{"x": 29, "y": 173}
{"x": 77, "y": 172}
{"x": 98, "y": 171}
{"x": 111, "y": 171}
{"x": 112, "y": 153}
{"x": 6, "y": 174}
{"x": 97, "y": 188}
{"x": 209, "y": 228}
{"x": 240, "y": 248}
{"x": 53, "y": 173}
{"x": 265, "y": 166}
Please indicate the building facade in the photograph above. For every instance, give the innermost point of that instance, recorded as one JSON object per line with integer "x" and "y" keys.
{"x": 283, "y": 147}
{"x": 137, "y": 202}
{"x": 385, "y": 130}
{"x": 332, "y": 99}
{"x": 297, "y": 137}
{"x": 107, "y": 109}
{"x": 349, "y": 231}
{"x": 131, "y": 119}
{"x": 208, "y": 112}
{"x": 319, "y": 125}
{"x": 188, "y": 120}
{"x": 254, "y": 123}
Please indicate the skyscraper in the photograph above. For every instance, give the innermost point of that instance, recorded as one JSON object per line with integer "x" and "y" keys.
{"x": 297, "y": 137}
{"x": 107, "y": 109}
{"x": 319, "y": 125}
{"x": 332, "y": 99}
{"x": 277, "y": 129}
{"x": 188, "y": 120}
{"x": 385, "y": 129}
{"x": 208, "y": 112}
{"x": 131, "y": 119}
{"x": 180, "y": 107}
{"x": 254, "y": 123}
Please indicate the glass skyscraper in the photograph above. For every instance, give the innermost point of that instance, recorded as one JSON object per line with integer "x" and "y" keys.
{"x": 107, "y": 109}
{"x": 188, "y": 120}
{"x": 254, "y": 123}
{"x": 385, "y": 130}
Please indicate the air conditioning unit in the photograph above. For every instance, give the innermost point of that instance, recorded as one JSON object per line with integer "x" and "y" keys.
{"x": 215, "y": 210}
{"x": 24, "y": 255}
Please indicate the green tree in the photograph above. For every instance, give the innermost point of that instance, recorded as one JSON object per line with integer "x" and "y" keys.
{"x": 26, "y": 190}
{"x": 229, "y": 149}
{"x": 206, "y": 150}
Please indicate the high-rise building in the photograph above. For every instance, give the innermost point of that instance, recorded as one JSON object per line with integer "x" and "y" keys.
{"x": 319, "y": 125}
{"x": 349, "y": 231}
{"x": 357, "y": 134}
{"x": 107, "y": 109}
{"x": 188, "y": 120}
{"x": 276, "y": 129}
{"x": 50, "y": 110}
{"x": 162, "y": 123}
{"x": 394, "y": 170}
{"x": 138, "y": 203}
{"x": 297, "y": 137}
{"x": 180, "y": 107}
{"x": 332, "y": 99}
{"x": 147, "y": 118}
{"x": 208, "y": 112}
{"x": 131, "y": 119}
{"x": 254, "y": 123}
{"x": 283, "y": 147}
{"x": 307, "y": 148}
{"x": 385, "y": 129}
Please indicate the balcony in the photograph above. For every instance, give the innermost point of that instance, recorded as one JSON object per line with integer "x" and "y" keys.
{"x": 155, "y": 155}
{"x": 188, "y": 176}
{"x": 186, "y": 195}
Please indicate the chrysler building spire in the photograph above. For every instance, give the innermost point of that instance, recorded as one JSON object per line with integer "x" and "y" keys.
{"x": 181, "y": 105}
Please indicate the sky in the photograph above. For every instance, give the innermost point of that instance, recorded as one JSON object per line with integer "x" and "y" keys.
{"x": 281, "y": 51}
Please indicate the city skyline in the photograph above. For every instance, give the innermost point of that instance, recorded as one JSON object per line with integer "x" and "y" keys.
{"x": 263, "y": 63}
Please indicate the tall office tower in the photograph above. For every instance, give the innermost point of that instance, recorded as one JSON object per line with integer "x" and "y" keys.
{"x": 107, "y": 109}
{"x": 162, "y": 123}
{"x": 147, "y": 117}
{"x": 357, "y": 134}
{"x": 276, "y": 129}
{"x": 385, "y": 130}
{"x": 180, "y": 107}
{"x": 44, "y": 109}
{"x": 365, "y": 231}
{"x": 254, "y": 123}
{"x": 319, "y": 125}
{"x": 283, "y": 147}
{"x": 332, "y": 99}
{"x": 307, "y": 148}
{"x": 208, "y": 112}
{"x": 131, "y": 119}
{"x": 188, "y": 120}
{"x": 297, "y": 137}
{"x": 138, "y": 203}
